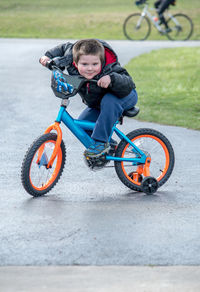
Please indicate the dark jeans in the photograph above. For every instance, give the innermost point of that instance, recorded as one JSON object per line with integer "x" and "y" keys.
{"x": 161, "y": 6}
{"x": 111, "y": 109}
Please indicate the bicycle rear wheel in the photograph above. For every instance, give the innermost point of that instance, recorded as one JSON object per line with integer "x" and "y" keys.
{"x": 136, "y": 27}
{"x": 36, "y": 178}
{"x": 156, "y": 146}
{"x": 181, "y": 27}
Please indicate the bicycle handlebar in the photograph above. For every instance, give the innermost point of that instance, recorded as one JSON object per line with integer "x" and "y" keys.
{"x": 63, "y": 85}
{"x": 51, "y": 65}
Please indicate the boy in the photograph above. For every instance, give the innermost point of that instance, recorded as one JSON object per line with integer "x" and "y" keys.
{"x": 113, "y": 93}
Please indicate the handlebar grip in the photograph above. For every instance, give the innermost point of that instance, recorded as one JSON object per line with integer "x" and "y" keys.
{"x": 50, "y": 64}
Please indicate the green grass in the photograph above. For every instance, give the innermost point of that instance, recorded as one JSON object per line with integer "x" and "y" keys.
{"x": 77, "y": 19}
{"x": 168, "y": 86}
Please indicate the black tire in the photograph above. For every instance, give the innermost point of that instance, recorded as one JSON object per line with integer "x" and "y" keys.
{"x": 182, "y": 32}
{"x": 162, "y": 158}
{"x": 133, "y": 31}
{"x": 34, "y": 173}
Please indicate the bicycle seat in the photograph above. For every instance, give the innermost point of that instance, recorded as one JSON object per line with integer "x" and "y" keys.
{"x": 132, "y": 112}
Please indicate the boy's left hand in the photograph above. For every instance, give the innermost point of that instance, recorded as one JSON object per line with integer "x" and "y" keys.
{"x": 104, "y": 81}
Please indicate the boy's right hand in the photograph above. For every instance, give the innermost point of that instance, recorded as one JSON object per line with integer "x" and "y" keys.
{"x": 43, "y": 60}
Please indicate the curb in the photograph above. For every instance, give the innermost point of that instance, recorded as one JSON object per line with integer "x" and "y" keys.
{"x": 100, "y": 278}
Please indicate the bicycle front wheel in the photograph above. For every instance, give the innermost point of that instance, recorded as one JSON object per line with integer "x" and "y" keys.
{"x": 36, "y": 178}
{"x": 156, "y": 146}
{"x": 136, "y": 27}
{"x": 181, "y": 27}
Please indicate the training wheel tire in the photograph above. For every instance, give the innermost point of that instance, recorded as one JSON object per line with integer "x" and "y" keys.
{"x": 149, "y": 185}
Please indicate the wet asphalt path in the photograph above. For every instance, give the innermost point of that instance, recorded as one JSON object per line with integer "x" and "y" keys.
{"x": 89, "y": 218}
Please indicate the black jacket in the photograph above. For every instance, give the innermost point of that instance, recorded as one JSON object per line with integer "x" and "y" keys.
{"x": 121, "y": 82}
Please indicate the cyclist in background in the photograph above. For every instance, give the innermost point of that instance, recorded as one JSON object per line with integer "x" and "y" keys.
{"x": 161, "y": 6}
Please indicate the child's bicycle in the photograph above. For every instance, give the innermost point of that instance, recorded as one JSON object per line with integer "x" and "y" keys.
{"x": 137, "y": 26}
{"x": 143, "y": 160}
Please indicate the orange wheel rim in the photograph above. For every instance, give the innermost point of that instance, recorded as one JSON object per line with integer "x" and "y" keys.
{"x": 55, "y": 172}
{"x": 166, "y": 166}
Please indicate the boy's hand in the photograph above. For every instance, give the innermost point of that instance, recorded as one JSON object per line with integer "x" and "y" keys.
{"x": 44, "y": 59}
{"x": 104, "y": 81}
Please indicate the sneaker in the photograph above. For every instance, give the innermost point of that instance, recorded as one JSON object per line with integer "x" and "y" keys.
{"x": 97, "y": 149}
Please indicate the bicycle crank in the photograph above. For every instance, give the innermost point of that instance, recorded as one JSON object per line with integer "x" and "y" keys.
{"x": 96, "y": 163}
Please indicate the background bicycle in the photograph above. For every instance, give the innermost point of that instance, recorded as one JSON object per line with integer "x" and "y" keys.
{"x": 137, "y": 26}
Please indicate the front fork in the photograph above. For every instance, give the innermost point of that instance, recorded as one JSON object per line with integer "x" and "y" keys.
{"x": 55, "y": 127}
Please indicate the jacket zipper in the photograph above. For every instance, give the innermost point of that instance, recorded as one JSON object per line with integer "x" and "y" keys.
{"x": 88, "y": 87}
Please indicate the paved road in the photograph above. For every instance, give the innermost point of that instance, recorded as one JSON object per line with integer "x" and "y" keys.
{"x": 89, "y": 218}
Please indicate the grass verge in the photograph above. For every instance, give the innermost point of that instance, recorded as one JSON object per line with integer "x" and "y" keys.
{"x": 168, "y": 86}
{"x": 66, "y": 19}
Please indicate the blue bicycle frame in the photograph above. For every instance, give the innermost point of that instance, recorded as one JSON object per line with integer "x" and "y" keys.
{"x": 79, "y": 128}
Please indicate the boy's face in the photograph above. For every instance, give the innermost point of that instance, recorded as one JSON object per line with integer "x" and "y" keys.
{"x": 89, "y": 66}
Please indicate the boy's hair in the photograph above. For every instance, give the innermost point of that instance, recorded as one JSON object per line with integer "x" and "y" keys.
{"x": 88, "y": 47}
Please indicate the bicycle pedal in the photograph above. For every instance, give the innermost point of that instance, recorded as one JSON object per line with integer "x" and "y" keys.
{"x": 96, "y": 163}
